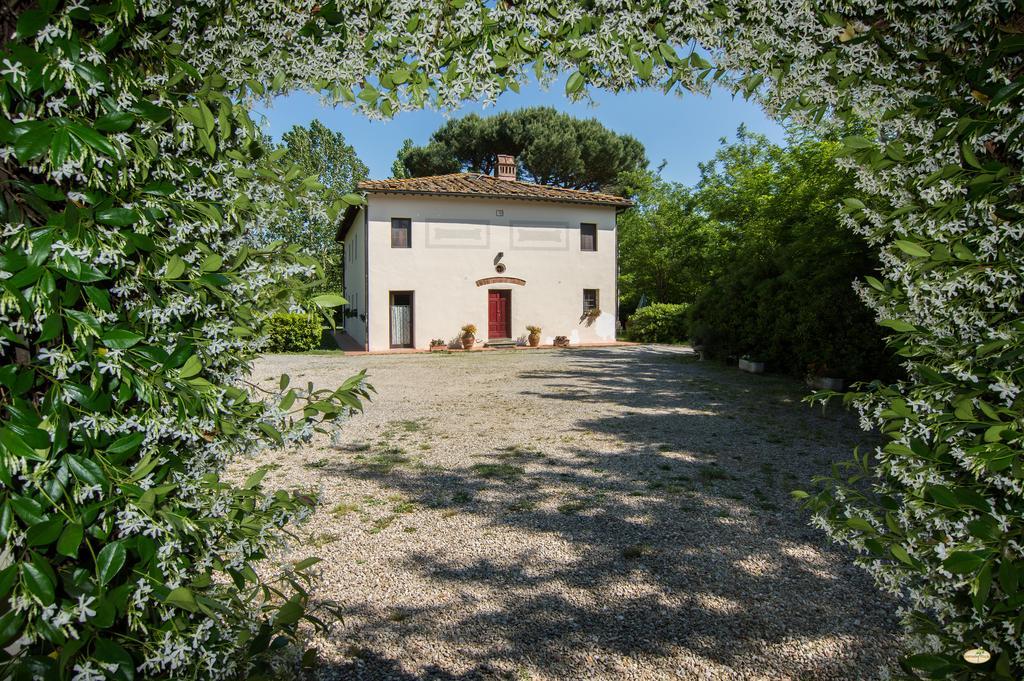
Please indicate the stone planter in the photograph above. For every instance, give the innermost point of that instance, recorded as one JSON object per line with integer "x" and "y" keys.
{"x": 826, "y": 383}
{"x": 533, "y": 339}
{"x": 438, "y": 348}
{"x": 561, "y": 342}
{"x": 751, "y": 366}
{"x": 468, "y": 342}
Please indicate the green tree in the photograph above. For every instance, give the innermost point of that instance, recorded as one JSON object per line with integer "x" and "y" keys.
{"x": 550, "y": 147}
{"x": 398, "y": 169}
{"x": 323, "y": 154}
{"x": 669, "y": 251}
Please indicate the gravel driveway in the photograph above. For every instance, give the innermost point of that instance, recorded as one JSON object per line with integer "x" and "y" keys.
{"x": 618, "y": 513}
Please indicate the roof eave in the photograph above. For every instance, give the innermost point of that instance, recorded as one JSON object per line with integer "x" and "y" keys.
{"x": 624, "y": 204}
{"x": 347, "y": 219}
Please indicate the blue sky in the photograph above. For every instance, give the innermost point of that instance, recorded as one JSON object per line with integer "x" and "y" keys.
{"x": 682, "y": 130}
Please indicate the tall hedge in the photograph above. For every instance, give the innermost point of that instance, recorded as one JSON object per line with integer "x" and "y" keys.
{"x": 131, "y": 168}
{"x": 785, "y": 289}
{"x": 293, "y": 332}
{"x": 658, "y": 323}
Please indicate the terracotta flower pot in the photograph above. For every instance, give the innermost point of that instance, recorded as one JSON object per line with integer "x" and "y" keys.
{"x": 534, "y": 339}
{"x": 467, "y": 342}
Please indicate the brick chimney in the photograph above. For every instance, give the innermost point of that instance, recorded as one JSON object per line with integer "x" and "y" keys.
{"x": 506, "y": 167}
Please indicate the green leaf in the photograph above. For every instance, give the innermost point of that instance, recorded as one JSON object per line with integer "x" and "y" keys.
{"x": 126, "y": 443}
{"x": 182, "y": 598}
{"x": 211, "y": 263}
{"x": 93, "y": 139}
{"x": 110, "y": 561}
{"x": 255, "y": 478}
{"x": 901, "y": 554}
{"x": 33, "y": 140}
{"x": 85, "y": 469}
{"x": 122, "y": 664}
{"x": 119, "y": 217}
{"x": 70, "y": 540}
{"x": 859, "y": 524}
{"x": 963, "y": 562}
{"x": 857, "y": 142}
{"x": 120, "y": 339}
{"x": 995, "y": 433}
{"x": 910, "y": 248}
{"x": 175, "y": 268}
{"x": 575, "y": 83}
{"x": 191, "y": 367}
{"x": 30, "y": 22}
{"x": 160, "y": 188}
{"x": 368, "y": 94}
{"x": 897, "y": 325}
{"x": 10, "y": 626}
{"x": 118, "y": 121}
{"x": 16, "y": 445}
{"x": 44, "y": 533}
{"x": 38, "y": 583}
{"x": 328, "y": 300}
{"x": 60, "y": 146}
{"x": 933, "y": 664}
{"x": 290, "y": 612}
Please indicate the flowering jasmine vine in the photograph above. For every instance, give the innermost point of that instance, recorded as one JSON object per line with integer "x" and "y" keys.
{"x": 131, "y": 299}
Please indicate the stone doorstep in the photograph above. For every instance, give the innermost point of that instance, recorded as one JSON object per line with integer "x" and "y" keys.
{"x": 500, "y": 343}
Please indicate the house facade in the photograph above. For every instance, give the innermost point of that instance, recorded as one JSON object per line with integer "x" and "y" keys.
{"x": 427, "y": 255}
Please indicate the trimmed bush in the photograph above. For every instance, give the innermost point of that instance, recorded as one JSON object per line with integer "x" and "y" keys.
{"x": 289, "y": 332}
{"x": 658, "y": 323}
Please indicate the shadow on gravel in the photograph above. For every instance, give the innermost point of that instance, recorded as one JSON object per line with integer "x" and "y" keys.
{"x": 710, "y": 556}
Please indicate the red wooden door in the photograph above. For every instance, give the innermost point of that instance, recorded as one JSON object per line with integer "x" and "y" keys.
{"x": 499, "y": 314}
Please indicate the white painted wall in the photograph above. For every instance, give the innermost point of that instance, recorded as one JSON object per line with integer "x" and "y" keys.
{"x": 454, "y": 243}
{"x": 355, "y": 278}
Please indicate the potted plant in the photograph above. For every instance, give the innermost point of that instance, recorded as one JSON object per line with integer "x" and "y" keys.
{"x": 438, "y": 344}
{"x": 534, "y": 337}
{"x": 819, "y": 376}
{"x": 751, "y": 365}
{"x": 561, "y": 341}
{"x": 468, "y": 336}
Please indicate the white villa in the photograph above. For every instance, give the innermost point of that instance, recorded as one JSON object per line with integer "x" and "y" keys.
{"x": 427, "y": 255}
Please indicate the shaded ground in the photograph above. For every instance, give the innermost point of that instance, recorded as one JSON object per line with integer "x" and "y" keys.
{"x": 578, "y": 514}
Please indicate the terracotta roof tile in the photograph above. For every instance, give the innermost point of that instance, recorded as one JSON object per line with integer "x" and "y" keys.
{"x": 474, "y": 184}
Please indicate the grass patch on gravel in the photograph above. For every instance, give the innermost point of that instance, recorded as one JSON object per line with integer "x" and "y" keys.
{"x": 321, "y": 540}
{"x": 522, "y": 506}
{"x": 575, "y": 506}
{"x": 345, "y": 508}
{"x": 518, "y": 452}
{"x": 498, "y": 471}
{"x": 713, "y": 472}
{"x": 409, "y": 426}
{"x": 386, "y": 460}
{"x": 635, "y": 551}
{"x": 381, "y": 524}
